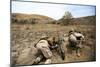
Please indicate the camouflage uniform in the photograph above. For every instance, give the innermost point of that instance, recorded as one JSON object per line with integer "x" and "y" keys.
{"x": 75, "y": 41}
{"x": 43, "y": 46}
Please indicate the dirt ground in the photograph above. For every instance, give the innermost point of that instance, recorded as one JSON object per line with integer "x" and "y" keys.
{"x": 26, "y": 35}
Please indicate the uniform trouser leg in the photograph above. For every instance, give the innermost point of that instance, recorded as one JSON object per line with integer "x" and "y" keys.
{"x": 78, "y": 52}
{"x": 47, "y": 54}
{"x": 38, "y": 59}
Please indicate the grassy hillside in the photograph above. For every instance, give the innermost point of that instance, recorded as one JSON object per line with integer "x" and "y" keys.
{"x": 30, "y": 18}
{"x": 24, "y": 37}
{"x": 88, "y": 20}
{"x": 35, "y": 18}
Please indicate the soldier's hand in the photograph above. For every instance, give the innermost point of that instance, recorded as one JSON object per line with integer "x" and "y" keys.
{"x": 54, "y": 46}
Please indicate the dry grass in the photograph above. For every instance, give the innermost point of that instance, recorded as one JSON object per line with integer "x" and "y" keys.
{"x": 26, "y": 35}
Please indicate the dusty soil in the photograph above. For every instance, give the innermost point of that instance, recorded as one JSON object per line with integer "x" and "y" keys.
{"x": 25, "y": 36}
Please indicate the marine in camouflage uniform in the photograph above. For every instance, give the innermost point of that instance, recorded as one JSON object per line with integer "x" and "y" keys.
{"x": 75, "y": 40}
{"x": 43, "y": 48}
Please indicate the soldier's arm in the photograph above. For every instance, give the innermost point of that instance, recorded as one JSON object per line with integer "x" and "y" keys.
{"x": 54, "y": 46}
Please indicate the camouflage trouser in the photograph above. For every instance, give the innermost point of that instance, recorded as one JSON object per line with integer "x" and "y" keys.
{"x": 75, "y": 46}
{"x": 72, "y": 44}
{"x": 46, "y": 53}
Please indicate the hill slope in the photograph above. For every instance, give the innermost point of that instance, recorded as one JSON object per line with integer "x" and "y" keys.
{"x": 85, "y": 20}
{"x": 88, "y": 20}
{"x": 30, "y": 18}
